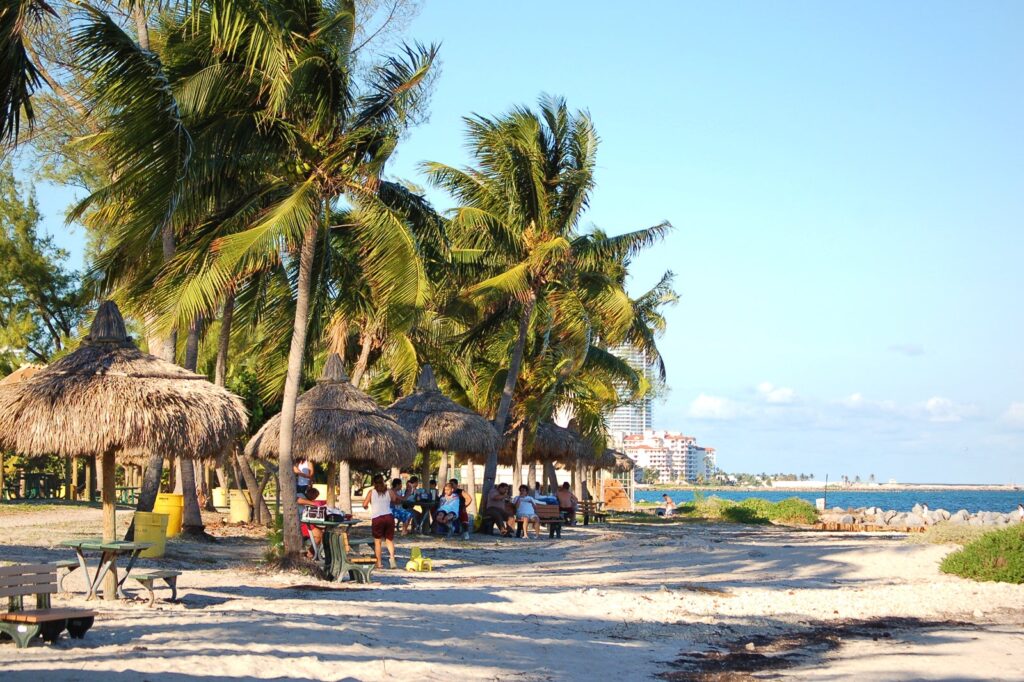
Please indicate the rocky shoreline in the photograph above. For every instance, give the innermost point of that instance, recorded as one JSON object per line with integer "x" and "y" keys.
{"x": 917, "y": 518}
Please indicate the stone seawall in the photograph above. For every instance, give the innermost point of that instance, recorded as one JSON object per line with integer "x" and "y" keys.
{"x": 916, "y": 520}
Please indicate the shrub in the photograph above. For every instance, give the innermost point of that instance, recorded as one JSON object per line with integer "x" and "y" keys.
{"x": 794, "y": 510}
{"x": 997, "y": 556}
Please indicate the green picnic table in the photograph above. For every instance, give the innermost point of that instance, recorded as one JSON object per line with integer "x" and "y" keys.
{"x": 109, "y": 552}
{"x": 336, "y": 552}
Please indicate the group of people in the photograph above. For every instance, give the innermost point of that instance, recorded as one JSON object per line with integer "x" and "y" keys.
{"x": 399, "y": 507}
{"x": 507, "y": 511}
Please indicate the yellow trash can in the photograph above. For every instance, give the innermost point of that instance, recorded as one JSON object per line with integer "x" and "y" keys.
{"x": 151, "y": 527}
{"x": 220, "y": 497}
{"x": 239, "y": 506}
{"x": 170, "y": 504}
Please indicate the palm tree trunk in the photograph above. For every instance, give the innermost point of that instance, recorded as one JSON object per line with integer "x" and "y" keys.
{"x": 471, "y": 483}
{"x": 364, "y": 356}
{"x": 577, "y": 481}
{"x": 552, "y": 477}
{"x": 531, "y": 475}
{"x": 141, "y": 27}
{"x": 491, "y": 467}
{"x": 191, "y": 517}
{"x": 260, "y": 511}
{"x": 517, "y": 469}
{"x": 286, "y": 477}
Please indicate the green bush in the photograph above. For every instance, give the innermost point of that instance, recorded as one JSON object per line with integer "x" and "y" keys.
{"x": 794, "y": 510}
{"x": 997, "y": 556}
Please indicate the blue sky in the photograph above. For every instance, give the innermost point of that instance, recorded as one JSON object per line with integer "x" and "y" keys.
{"x": 847, "y": 187}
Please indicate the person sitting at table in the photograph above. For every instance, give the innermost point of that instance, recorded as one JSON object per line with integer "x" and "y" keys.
{"x": 448, "y": 509}
{"x": 380, "y": 501}
{"x": 403, "y": 516}
{"x": 465, "y": 504}
{"x": 526, "y": 512}
{"x": 307, "y": 498}
{"x": 497, "y": 509}
{"x": 567, "y": 503}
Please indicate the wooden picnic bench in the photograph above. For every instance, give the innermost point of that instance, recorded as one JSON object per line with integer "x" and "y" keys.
{"x": 23, "y": 625}
{"x": 592, "y": 510}
{"x": 149, "y": 578}
{"x": 549, "y": 516}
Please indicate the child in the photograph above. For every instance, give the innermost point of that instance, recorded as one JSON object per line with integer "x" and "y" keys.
{"x": 448, "y": 510}
{"x": 526, "y": 513}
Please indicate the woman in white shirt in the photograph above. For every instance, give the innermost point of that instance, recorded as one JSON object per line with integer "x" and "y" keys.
{"x": 303, "y": 473}
{"x": 526, "y": 513}
{"x": 382, "y": 523}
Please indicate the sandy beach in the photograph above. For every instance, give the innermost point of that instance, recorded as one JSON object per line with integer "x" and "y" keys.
{"x": 622, "y": 601}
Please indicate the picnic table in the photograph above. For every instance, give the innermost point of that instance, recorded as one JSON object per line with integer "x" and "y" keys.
{"x": 427, "y": 505}
{"x": 127, "y": 495}
{"x": 109, "y": 552}
{"x": 336, "y": 551}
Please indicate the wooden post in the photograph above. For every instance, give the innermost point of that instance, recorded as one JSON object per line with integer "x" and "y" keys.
{"x": 345, "y": 487}
{"x": 109, "y": 520}
{"x": 471, "y": 484}
{"x": 332, "y": 484}
{"x": 442, "y": 471}
{"x": 67, "y": 477}
{"x": 551, "y": 477}
{"x": 3, "y": 478}
{"x": 395, "y": 473}
{"x": 577, "y": 481}
{"x": 425, "y": 469}
{"x": 74, "y": 478}
{"x": 531, "y": 475}
{"x": 90, "y": 479}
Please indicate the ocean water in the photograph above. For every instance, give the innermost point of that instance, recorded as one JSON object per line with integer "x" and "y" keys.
{"x": 900, "y": 500}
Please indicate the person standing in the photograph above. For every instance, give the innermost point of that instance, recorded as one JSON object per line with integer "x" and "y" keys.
{"x": 382, "y": 523}
{"x": 303, "y": 473}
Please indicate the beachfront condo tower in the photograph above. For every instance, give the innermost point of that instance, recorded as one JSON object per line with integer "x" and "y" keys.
{"x": 633, "y": 417}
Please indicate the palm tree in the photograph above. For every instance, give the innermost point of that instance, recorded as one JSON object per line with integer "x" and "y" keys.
{"x": 19, "y": 76}
{"x": 267, "y": 96}
{"x": 518, "y": 218}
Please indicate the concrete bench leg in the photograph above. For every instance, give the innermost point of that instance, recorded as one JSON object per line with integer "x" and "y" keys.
{"x": 21, "y": 633}
{"x": 173, "y": 584}
{"x": 148, "y": 584}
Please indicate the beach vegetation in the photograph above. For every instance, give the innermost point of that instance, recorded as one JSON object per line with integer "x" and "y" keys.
{"x": 752, "y": 510}
{"x": 996, "y": 556}
{"x": 946, "y": 533}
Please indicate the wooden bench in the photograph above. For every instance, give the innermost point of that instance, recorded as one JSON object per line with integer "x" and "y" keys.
{"x": 549, "y": 516}
{"x": 23, "y": 625}
{"x": 592, "y": 510}
{"x": 149, "y": 578}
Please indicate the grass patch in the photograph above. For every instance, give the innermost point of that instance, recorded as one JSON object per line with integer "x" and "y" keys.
{"x": 996, "y": 556}
{"x": 26, "y": 506}
{"x": 753, "y": 510}
{"x": 946, "y": 533}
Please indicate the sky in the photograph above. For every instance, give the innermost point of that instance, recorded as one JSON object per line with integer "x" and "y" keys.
{"x": 846, "y": 186}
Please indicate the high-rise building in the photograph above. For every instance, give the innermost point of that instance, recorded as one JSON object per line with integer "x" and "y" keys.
{"x": 675, "y": 456}
{"x": 634, "y": 417}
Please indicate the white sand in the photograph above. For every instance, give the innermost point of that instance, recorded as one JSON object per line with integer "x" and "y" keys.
{"x": 619, "y": 602}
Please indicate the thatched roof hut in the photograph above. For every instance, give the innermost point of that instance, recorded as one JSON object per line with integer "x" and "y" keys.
{"x": 551, "y": 443}
{"x": 109, "y": 399}
{"x": 439, "y": 423}
{"x": 109, "y": 396}
{"x": 622, "y": 464}
{"x": 336, "y": 422}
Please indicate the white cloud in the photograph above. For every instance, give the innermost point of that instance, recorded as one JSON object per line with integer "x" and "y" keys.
{"x": 776, "y": 395}
{"x": 944, "y": 410}
{"x": 857, "y": 401}
{"x": 711, "y": 407}
{"x": 1014, "y": 415}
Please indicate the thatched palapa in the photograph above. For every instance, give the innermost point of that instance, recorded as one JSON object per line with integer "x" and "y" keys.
{"x": 109, "y": 399}
{"x": 109, "y": 396}
{"x": 439, "y": 423}
{"x": 20, "y": 374}
{"x": 551, "y": 443}
{"x": 336, "y": 422}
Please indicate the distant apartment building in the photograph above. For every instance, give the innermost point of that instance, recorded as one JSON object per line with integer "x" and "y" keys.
{"x": 675, "y": 456}
{"x": 634, "y": 417}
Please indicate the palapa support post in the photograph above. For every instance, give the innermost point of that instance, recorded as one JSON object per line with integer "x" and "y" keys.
{"x": 442, "y": 471}
{"x": 345, "y": 487}
{"x": 471, "y": 482}
{"x": 332, "y": 484}
{"x": 396, "y": 472}
{"x": 551, "y": 475}
{"x": 109, "y": 520}
{"x": 531, "y": 475}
